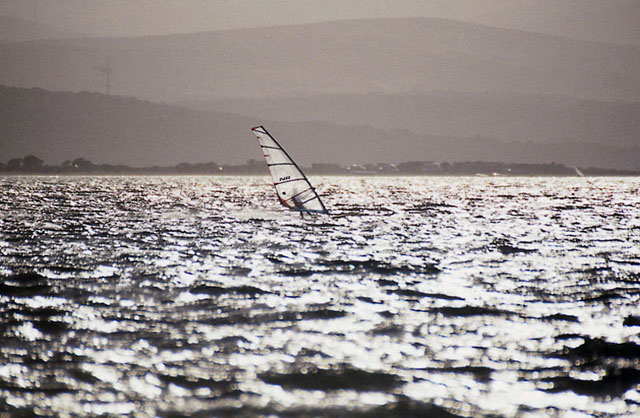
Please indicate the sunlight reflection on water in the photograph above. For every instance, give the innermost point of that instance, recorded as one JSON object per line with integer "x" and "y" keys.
{"x": 200, "y": 295}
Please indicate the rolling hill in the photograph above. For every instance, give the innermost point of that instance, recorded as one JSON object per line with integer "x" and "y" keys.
{"x": 390, "y": 56}
{"x": 19, "y": 30}
{"x": 511, "y": 117}
{"x": 57, "y": 126}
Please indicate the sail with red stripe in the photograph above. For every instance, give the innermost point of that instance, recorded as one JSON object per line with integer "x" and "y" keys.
{"x": 292, "y": 186}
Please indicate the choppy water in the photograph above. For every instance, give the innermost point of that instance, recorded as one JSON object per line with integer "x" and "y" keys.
{"x": 174, "y": 296}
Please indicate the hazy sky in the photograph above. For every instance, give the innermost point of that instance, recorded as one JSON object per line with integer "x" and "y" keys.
{"x": 606, "y": 20}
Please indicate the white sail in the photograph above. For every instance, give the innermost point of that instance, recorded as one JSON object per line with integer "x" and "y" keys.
{"x": 292, "y": 186}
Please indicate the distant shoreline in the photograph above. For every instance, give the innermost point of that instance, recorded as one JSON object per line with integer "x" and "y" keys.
{"x": 32, "y": 165}
{"x": 477, "y": 175}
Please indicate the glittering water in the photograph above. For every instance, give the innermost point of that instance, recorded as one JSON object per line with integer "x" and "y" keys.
{"x": 170, "y": 296}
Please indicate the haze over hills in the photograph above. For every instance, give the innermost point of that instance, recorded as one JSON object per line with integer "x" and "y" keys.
{"x": 610, "y": 21}
{"x": 511, "y": 117}
{"x": 18, "y": 30}
{"x": 357, "y": 91}
{"x": 401, "y": 55}
{"x": 57, "y": 126}
{"x": 597, "y": 20}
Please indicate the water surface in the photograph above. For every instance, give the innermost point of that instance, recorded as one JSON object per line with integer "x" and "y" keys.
{"x": 170, "y": 296}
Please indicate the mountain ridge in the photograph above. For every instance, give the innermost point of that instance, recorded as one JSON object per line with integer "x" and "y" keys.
{"x": 351, "y": 56}
{"x": 336, "y": 22}
{"x": 515, "y": 117}
{"x": 13, "y": 30}
{"x": 58, "y": 126}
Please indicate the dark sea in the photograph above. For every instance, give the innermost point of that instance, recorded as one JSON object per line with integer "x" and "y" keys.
{"x": 418, "y": 296}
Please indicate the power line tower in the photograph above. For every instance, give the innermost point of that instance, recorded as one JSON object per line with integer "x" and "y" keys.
{"x": 107, "y": 72}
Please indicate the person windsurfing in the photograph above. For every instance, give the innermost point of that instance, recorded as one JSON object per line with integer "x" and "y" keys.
{"x": 288, "y": 178}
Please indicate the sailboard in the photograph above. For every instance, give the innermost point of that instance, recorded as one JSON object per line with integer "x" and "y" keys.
{"x": 292, "y": 187}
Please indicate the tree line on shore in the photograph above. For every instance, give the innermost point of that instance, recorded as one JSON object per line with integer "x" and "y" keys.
{"x": 32, "y": 164}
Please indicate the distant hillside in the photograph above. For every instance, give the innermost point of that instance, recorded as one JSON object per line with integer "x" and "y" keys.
{"x": 109, "y": 129}
{"x": 343, "y": 57}
{"x": 18, "y": 30}
{"x": 612, "y": 21}
{"x": 57, "y": 126}
{"x": 510, "y": 117}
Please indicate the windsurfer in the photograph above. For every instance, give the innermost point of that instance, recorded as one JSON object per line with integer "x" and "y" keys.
{"x": 292, "y": 186}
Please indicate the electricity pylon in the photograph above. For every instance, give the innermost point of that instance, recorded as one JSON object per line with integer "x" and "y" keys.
{"x": 106, "y": 71}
